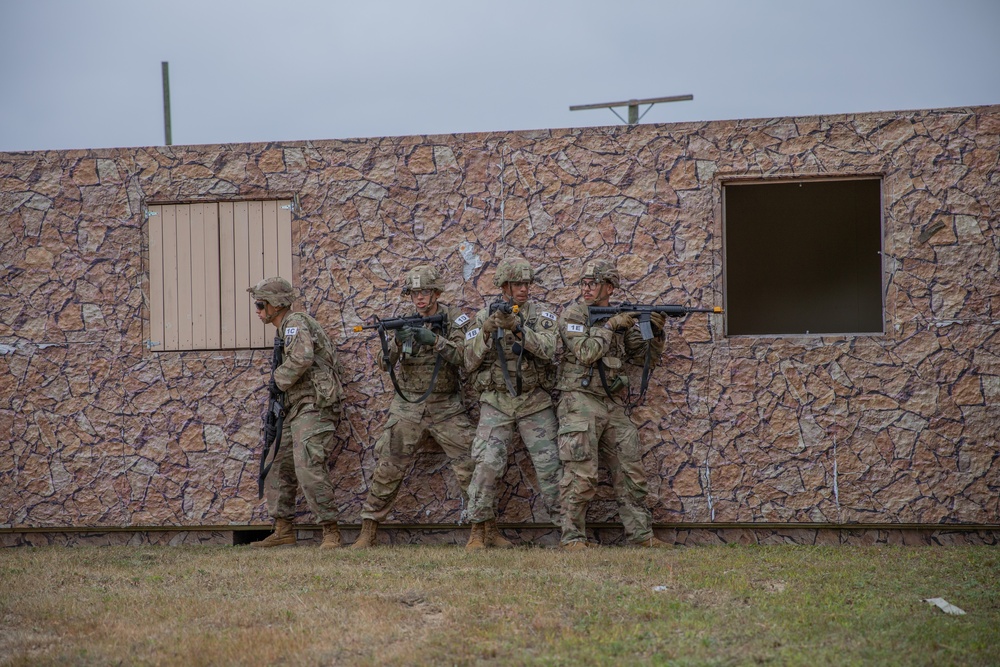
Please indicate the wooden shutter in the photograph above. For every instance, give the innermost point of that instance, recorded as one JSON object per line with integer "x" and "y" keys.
{"x": 202, "y": 257}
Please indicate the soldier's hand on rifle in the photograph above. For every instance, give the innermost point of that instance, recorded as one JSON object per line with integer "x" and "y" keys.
{"x": 272, "y": 389}
{"x": 404, "y": 335}
{"x": 657, "y": 320}
{"x": 423, "y": 335}
{"x": 505, "y": 320}
{"x": 621, "y": 321}
{"x": 490, "y": 325}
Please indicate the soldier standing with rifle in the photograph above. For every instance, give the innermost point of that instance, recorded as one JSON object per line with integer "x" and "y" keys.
{"x": 593, "y": 425}
{"x": 511, "y": 355}
{"x": 428, "y": 396}
{"x": 306, "y": 391}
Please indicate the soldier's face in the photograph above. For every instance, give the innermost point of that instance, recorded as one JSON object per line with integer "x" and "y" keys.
{"x": 516, "y": 292}
{"x": 425, "y": 301}
{"x": 265, "y": 311}
{"x": 595, "y": 293}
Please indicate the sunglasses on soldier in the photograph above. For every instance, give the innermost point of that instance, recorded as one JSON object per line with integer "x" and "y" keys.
{"x": 260, "y": 305}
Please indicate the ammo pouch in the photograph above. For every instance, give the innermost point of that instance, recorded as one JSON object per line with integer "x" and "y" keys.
{"x": 617, "y": 379}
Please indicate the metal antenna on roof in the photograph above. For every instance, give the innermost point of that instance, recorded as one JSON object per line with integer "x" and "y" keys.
{"x": 633, "y": 106}
{"x": 165, "y": 68}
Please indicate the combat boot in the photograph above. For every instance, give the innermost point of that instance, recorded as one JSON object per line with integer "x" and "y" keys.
{"x": 367, "y": 537}
{"x": 477, "y": 538}
{"x": 331, "y": 536}
{"x": 652, "y": 543}
{"x": 284, "y": 533}
{"x": 575, "y": 545}
{"x": 493, "y": 538}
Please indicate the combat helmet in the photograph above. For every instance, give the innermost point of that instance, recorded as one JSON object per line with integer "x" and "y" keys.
{"x": 601, "y": 270}
{"x": 420, "y": 277}
{"x": 276, "y": 291}
{"x": 513, "y": 270}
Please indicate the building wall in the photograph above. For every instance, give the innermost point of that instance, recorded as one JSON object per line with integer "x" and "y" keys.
{"x": 902, "y": 428}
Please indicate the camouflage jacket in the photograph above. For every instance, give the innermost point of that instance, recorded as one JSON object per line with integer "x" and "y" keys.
{"x": 413, "y": 371}
{"x": 310, "y": 371}
{"x": 538, "y": 329}
{"x": 585, "y": 346}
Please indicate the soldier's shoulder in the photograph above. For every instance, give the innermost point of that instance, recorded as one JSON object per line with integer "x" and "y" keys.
{"x": 576, "y": 312}
{"x": 297, "y": 321}
{"x": 457, "y": 317}
{"x": 543, "y": 315}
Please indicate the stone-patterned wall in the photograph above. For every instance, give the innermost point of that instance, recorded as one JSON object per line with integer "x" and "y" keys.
{"x": 901, "y": 428}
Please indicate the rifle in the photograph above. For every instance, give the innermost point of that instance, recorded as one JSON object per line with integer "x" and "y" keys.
{"x": 381, "y": 326}
{"x": 401, "y": 322}
{"x": 598, "y": 313}
{"x": 507, "y": 308}
{"x": 274, "y": 420}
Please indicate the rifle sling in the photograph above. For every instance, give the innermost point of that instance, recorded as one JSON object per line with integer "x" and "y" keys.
{"x": 514, "y": 389}
{"x": 392, "y": 373}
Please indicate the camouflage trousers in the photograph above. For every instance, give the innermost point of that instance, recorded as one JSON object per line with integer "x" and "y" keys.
{"x": 396, "y": 449}
{"x": 595, "y": 430}
{"x": 489, "y": 452}
{"x": 308, "y": 438}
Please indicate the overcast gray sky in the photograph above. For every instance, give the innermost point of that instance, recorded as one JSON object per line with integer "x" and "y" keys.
{"x": 77, "y": 74}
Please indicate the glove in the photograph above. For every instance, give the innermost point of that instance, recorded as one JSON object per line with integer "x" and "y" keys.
{"x": 657, "y": 320}
{"x": 423, "y": 335}
{"x": 621, "y": 321}
{"x": 505, "y": 320}
{"x": 404, "y": 335}
{"x": 490, "y": 325}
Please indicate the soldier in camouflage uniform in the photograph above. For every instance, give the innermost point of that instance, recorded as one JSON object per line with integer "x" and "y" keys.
{"x": 528, "y": 340}
{"x": 593, "y": 426}
{"x": 442, "y": 414}
{"x": 310, "y": 378}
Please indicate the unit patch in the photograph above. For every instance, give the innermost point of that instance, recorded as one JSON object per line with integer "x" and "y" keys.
{"x": 549, "y": 315}
{"x": 461, "y": 320}
{"x": 472, "y": 334}
{"x": 290, "y": 334}
{"x": 574, "y": 328}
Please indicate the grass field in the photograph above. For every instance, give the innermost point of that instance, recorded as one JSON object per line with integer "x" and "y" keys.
{"x": 744, "y": 605}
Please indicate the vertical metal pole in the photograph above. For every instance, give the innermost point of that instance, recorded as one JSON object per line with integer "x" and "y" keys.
{"x": 633, "y": 114}
{"x": 165, "y": 67}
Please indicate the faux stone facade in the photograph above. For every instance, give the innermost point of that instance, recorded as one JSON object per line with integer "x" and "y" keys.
{"x": 98, "y": 431}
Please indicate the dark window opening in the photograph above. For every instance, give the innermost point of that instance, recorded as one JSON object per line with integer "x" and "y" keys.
{"x": 804, "y": 258}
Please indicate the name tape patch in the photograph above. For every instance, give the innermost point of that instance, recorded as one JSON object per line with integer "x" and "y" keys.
{"x": 461, "y": 319}
{"x": 291, "y": 331}
{"x": 574, "y": 328}
{"x": 549, "y": 315}
{"x": 472, "y": 334}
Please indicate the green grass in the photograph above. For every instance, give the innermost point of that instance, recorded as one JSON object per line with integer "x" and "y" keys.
{"x": 743, "y": 605}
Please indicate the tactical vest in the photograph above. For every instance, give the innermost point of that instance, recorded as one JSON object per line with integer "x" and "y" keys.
{"x": 574, "y": 376}
{"x": 415, "y": 370}
{"x": 535, "y": 372}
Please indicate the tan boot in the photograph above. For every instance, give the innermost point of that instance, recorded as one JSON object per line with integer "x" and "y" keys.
{"x": 653, "y": 543}
{"x": 493, "y": 538}
{"x": 284, "y": 533}
{"x": 477, "y": 538}
{"x": 331, "y": 536}
{"x": 367, "y": 537}
{"x": 576, "y": 545}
